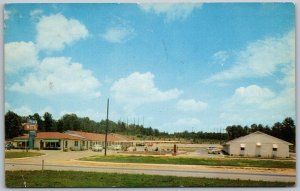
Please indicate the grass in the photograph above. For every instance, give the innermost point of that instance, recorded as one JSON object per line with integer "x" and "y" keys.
{"x": 194, "y": 161}
{"x": 13, "y": 154}
{"x": 59, "y": 179}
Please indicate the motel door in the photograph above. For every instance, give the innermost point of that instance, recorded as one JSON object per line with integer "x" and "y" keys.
{"x": 274, "y": 152}
{"x": 41, "y": 144}
{"x": 258, "y": 149}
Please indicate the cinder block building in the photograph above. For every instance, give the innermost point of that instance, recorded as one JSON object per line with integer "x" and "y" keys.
{"x": 258, "y": 144}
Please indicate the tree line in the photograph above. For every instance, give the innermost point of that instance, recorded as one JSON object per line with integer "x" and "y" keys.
{"x": 285, "y": 130}
{"x": 46, "y": 123}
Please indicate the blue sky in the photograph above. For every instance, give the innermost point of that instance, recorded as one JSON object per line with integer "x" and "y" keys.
{"x": 174, "y": 67}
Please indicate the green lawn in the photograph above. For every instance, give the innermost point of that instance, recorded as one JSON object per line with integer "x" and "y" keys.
{"x": 39, "y": 179}
{"x": 13, "y": 154}
{"x": 194, "y": 161}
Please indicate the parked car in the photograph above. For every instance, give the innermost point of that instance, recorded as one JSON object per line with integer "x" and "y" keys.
{"x": 9, "y": 146}
{"x": 116, "y": 147}
{"x": 213, "y": 150}
{"x": 97, "y": 148}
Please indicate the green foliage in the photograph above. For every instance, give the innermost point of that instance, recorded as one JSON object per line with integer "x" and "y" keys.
{"x": 286, "y": 130}
{"x": 13, "y": 126}
{"x": 194, "y": 161}
{"x": 48, "y": 122}
{"x": 60, "y": 179}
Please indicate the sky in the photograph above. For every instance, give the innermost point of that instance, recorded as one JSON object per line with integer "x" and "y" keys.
{"x": 174, "y": 67}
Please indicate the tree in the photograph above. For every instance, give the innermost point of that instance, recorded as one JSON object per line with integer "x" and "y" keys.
{"x": 13, "y": 126}
{"x": 39, "y": 120}
{"x": 288, "y": 130}
{"x": 70, "y": 122}
{"x": 60, "y": 126}
{"x": 48, "y": 122}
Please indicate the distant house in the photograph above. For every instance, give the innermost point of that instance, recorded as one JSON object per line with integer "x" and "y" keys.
{"x": 258, "y": 144}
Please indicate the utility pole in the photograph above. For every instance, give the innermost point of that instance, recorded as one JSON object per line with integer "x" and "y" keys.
{"x": 106, "y": 130}
{"x": 143, "y": 121}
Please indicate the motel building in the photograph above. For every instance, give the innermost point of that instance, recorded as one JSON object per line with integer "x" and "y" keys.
{"x": 258, "y": 144}
{"x": 50, "y": 141}
{"x": 70, "y": 140}
{"x": 91, "y": 139}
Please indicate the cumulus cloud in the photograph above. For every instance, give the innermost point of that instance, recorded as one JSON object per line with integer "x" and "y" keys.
{"x": 58, "y": 76}
{"x": 220, "y": 57}
{"x": 54, "y": 32}
{"x": 7, "y": 14}
{"x": 117, "y": 34}
{"x": 191, "y": 105}
{"x": 261, "y": 58}
{"x": 139, "y": 88}
{"x": 172, "y": 11}
{"x": 252, "y": 94}
{"x": 23, "y": 111}
{"x": 259, "y": 104}
{"x": 36, "y": 12}
{"x": 20, "y": 55}
{"x": 91, "y": 113}
{"x": 181, "y": 124}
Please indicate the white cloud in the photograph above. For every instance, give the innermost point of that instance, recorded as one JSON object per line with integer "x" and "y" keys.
{"x": 7, "y": 14}
{"x": 57, "y": 76}
{"x": 191, "y": 105}
{"x": 7, "y": 107}
{"x": 139, "y": 88}
{"x": 220, "y": 57}
{"x": 252, "y": 95}
{"x": 254, "y": 104}
{"x": 91, "y": 113}
{"x": 36, "y": 12}
{"x": 172, "y": 11}
{"x": 117, "y": 34}
{"x": 23, "y": 111}
{"x": 54, "y": 32}
{"x": 20, "y": 55}
{"x": 260, "y": 58}
{"x": 181, "y": 124}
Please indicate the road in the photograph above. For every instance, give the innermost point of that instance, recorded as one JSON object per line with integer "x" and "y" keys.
{"x": 56, "y": 160}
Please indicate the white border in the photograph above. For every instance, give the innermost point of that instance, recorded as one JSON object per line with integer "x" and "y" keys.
{"x": 2, "y": 172}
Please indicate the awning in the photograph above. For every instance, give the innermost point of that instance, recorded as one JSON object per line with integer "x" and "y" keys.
{"x": 21, "y": 140}
{"x": 51, "y": 140}
{"x": 242, "y": 145}
{"x": 258, "y": 144}
{"x": 275, "y": 146}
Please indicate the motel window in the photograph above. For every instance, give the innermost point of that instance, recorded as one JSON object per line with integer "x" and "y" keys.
{"x": 83, "y": 143}
{"x": 242, "y": 147}
{"x": 274, "y": 149}
{"x": 76, "y": 143}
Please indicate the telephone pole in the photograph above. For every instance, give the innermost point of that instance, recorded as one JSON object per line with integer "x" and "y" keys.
{"x": 106, "y": 130}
